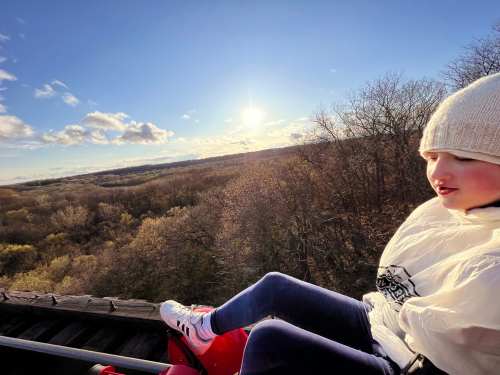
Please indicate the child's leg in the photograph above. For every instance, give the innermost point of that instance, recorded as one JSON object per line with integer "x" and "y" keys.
{"x": 277, "y": 347}
{"x": 322, "y": 311}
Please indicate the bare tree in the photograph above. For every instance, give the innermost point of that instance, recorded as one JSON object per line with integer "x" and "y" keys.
{"x": 375, "y": 138}
{"x": 479, "y": 59}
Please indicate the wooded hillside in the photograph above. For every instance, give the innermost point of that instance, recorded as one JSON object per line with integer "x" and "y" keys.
{"x": 200, "y": 232}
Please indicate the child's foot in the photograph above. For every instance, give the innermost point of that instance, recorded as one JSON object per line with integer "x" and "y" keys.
{"x": 192, "y": 324}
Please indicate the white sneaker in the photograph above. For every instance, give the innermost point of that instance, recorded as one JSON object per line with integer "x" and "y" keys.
{"x": 188, "y": 322}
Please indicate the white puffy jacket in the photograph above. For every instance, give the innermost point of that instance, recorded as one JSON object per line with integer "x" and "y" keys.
{"x": 439, "y": 290}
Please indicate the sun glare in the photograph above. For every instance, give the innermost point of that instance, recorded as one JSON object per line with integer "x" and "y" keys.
{"x": 252, "y": 116}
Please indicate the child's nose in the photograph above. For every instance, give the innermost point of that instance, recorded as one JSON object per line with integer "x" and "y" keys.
{"x": 440, "y": 170}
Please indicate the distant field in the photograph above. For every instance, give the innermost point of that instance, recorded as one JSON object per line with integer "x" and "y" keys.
{"x": 137, "y": 175}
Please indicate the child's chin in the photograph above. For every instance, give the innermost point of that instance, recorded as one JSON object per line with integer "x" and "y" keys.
{"x": 451, "y": 204}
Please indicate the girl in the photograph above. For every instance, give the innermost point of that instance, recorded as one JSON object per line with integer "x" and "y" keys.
{"x": 437, "y": 281}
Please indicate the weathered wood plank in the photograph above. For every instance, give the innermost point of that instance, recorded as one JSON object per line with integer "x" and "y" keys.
{"x": 72, "y": 302}
{"x": 15, "y": 326}
{"x": 40, "y": 331}
{"x": 100, "y": 305}
{"x": 45, "y": 300}
{"x": 127, "y": 327}
{"x": 136, "y": 308}
{"x": 147, "y": 348}
{"x": 73, "y": 334}
{"x": 106, "y": 339}
{"x": 141, "y": 345}
{"x": 19, "y": 297}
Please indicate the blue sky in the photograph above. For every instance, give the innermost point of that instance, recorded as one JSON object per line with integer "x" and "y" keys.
{"x": 100, "y": 84}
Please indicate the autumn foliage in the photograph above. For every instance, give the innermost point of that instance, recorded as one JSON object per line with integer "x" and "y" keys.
{"x": 321, "y": 212}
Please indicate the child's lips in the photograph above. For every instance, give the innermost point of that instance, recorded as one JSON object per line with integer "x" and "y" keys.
{"x": 443, "y": 190}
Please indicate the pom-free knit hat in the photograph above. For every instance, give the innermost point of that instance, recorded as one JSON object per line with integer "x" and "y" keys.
{"x": 467, "y": 123}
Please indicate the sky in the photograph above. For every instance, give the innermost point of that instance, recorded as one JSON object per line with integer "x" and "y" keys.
{"x": 100, "y": 84}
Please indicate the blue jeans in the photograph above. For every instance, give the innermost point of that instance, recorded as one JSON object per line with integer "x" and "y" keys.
{"x": 321, "y": 331}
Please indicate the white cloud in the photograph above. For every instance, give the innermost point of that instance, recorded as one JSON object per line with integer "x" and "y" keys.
{"x": 296, "y": 136}
{"x": 70, "y": 135}
{"x": 20, "y": 20}
{"x": 2, "y": 59}
{"x": 228, "y": 120}
{"x": 276, "y": 133}
{"x": 98, "y": 137}
{"x": 4, "y": 38}
{"x": 333, "y": 70}
{"x": 28, "y": 143}
{"x": 74, "y": 135}
{"x": 128, "y": 162}
{"x": 22, "y": 36}
{"x": 49, "y": 90}
{"x": 105, "y": 121}
{"x": 59, "y": 83}
{"x": 5, "y": 152}
{"x": 70, "y": 99}
{"x": 189, "y": 114}
{"x": 92, "y": 129}
{"x": 12, "y": 128}
{"x": 6, "y": 76}
{"x": 143, "y": 133}
{"x": 46, "y": 92}
{"x": 245, "y": 142}
{"x": 275, "y": 122}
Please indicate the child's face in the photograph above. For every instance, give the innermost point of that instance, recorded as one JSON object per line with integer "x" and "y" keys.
{"x": 462, "y": 184}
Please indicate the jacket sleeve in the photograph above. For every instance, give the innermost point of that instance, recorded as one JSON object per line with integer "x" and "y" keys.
{"x": 463, "y": 315}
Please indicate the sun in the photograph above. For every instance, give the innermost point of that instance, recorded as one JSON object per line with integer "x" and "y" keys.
{"x": 252, "y": 116}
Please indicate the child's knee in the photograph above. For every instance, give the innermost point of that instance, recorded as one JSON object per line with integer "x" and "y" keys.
{"x": 265, "y": 346}
{"x": 273, "y": 278}
{"x": 267, "y": 332}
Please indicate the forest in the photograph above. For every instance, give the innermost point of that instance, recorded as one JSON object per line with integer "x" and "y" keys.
{"x": 199, "y": 232}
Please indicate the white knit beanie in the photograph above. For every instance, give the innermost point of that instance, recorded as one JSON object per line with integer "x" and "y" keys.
{"x": 467, "y": 123}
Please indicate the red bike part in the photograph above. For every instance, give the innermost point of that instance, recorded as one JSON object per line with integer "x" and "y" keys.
{"x": 179, "y": 370}
{"x": 222, "y": 358}
{"x": 225, "y": 354}
{"x": 104, "y": 370}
